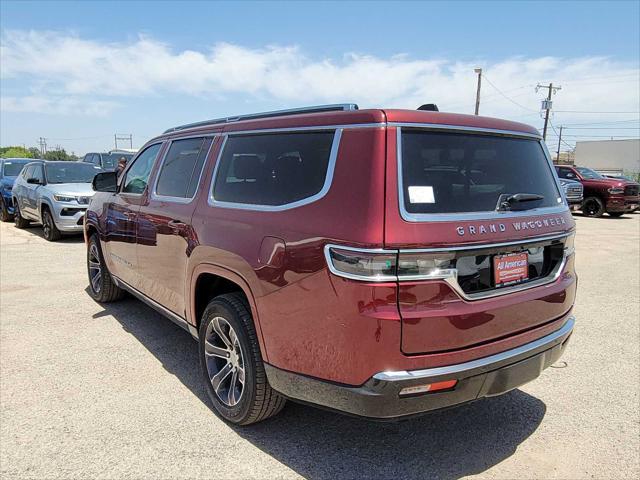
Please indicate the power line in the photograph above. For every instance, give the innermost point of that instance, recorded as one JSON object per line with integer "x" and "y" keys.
{"x": 505, "y": 96}
{"x": 602, "y": 128}
{"x": 609, "y": 122}
{"x": 582, "y": 111}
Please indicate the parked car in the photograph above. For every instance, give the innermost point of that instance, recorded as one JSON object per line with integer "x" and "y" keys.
{"x": 382, "y": 263}
{"x": 9, "y": 170}
{"x": 574, "y": 192}
{"x": 107, "y": 161}
{"x": 602, "y": 194}
{"x": 55, "y": 194}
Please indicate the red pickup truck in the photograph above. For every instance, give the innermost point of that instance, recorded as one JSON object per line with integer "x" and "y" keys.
{"x": 603, "y": 194}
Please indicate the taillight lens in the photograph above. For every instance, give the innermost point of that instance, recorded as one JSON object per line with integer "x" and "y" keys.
{"x": 362, "y": 264}
{"x": 569, "y": 248}
{"x": 414, "y": 266}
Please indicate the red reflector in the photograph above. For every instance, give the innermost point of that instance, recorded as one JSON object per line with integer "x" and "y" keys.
{"x": 429, "y": 387}
{"x": 443, "y": 385}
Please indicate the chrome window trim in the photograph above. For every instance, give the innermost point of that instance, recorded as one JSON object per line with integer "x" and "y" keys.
{"x": 169, "y": 198}
{"x": 461, "y": 368}
{"x": 462, "y": 216}
{"x": 333, "y": 155}
{"x": 449, "y": 277}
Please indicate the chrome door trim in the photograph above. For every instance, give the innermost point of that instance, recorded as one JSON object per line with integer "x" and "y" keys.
{"x": 460, "y": 369}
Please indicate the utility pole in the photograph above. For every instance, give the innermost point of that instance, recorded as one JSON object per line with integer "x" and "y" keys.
{"x": 43, "y": 146}
{"x": 546, "y": 105}
{"x": 128, "y": 137}
{"x": 479, "y": 72}
{"x": 559, "y": 140}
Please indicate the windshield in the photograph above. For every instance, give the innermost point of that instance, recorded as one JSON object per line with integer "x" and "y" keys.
{"x": 71, "y": 172}
{"x": 110, "y": 162}
{"x": 12, "y": 169}
{"x": 446, "y": 172}
{"x": 588, "y": 173}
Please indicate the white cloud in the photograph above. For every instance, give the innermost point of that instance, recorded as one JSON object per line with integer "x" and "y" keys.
{"x": 57, "y": 105}
{"x": 65, "y": 71}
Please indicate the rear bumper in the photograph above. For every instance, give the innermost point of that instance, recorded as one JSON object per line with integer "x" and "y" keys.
{"x": 379, "y": 397}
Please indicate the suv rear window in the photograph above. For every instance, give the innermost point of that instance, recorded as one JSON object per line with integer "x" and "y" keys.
{"x": 273, "y": 169}
{"x": 447, "y": 172}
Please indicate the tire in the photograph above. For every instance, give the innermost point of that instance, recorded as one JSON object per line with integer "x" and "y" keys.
{"x": 229, "y": 351}
{"x": 5, "y": 216}
{"x": 615, "y": 214}
{"x": 49, "y": 228}
{"x": 102, "y": 288}
{"x": 593, "y": 207}
{"x": 18, "y": 220}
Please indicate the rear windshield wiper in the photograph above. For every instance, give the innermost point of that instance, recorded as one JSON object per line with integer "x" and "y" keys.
{"x": 508, "y": 201}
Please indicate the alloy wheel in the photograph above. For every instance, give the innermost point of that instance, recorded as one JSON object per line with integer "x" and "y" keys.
{"x": 46, "y": 225}
{"x": 590, "y": 208}
{"x": 95, "y": 268}
{"x": 224, "y": 360}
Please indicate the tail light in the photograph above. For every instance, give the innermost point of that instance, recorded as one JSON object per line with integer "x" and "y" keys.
{"x": 388, "y": 265}
{"x": 379, "y": 265}
{"x": 362, "y": 264}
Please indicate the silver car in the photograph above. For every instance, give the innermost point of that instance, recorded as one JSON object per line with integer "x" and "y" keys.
{"x": 55, "y": 194}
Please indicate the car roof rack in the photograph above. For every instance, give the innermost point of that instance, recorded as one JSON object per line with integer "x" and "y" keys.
{"x": 275, "y": 113}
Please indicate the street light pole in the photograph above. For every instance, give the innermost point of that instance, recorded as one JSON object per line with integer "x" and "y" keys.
{"x": 479, "y": 72}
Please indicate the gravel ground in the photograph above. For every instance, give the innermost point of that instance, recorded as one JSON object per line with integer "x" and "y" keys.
{"x": 113, "y": 392}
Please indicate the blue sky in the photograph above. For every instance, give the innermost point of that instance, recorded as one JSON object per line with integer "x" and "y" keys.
{"x": 77, "y": 72}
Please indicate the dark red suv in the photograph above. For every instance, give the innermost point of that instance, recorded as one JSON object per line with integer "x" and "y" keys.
{"x": 381, "y": 263}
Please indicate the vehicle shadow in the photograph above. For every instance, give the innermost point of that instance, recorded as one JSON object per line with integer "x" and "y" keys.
{"x": 66, "y": 237}
{"x": 324, "y": 445}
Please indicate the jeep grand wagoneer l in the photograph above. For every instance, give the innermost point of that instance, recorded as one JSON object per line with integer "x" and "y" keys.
{"x": 381, "y": 263}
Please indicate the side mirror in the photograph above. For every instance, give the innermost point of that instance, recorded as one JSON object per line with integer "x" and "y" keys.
{"x": 34, "y": 181}
{"x": 570, "y": 175}
{"x": 105, "y": 182}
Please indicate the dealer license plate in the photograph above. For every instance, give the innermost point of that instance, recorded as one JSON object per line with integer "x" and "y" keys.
{"x": 510, "y": 269}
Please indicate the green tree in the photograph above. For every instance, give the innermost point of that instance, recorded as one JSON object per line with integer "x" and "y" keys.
{"x": 59, "y": 155}
{"x": 15, "y": 152}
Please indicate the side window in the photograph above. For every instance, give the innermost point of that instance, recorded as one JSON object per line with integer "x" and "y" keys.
{"x": 96, "y": 159}
{"x": 566, "y": 173}
{"x": 27, "y": 172}
{"x": 87, "y": 158}
{"x": 181, "y": 167}
{"x": 38, "y": 173}
{"x": 137, "y": 177}
{"x": 273, "y": 169}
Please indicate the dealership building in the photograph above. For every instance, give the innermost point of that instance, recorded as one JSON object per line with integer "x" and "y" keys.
{"x": 614, "y": 157}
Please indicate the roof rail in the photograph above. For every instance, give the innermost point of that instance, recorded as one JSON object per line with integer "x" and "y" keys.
{"x": 275, "y": 113}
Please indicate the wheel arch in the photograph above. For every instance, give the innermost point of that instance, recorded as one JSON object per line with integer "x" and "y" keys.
{"x": 209, "y": 281}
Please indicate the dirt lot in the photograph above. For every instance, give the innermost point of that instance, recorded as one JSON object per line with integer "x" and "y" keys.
{"x": 113, "y": 392}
